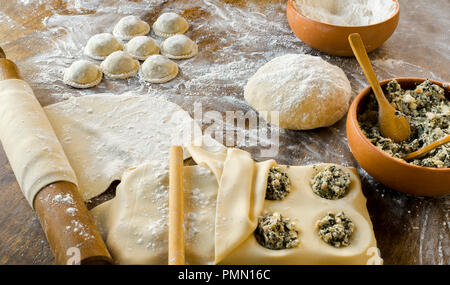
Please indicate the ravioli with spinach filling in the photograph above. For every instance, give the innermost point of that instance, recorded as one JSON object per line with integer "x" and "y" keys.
{"x": 331, "y": 183}
{"x": 336, "y": 229}
{"x": 278, "y": 184}
{"x": 428, "y": 113}
{"x": 276, "y": 232}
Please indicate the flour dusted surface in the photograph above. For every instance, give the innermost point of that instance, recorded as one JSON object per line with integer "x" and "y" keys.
{"x": 347, "y": 12}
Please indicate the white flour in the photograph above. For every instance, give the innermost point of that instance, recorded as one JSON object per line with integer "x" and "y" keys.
{"x": 347, "y": 12}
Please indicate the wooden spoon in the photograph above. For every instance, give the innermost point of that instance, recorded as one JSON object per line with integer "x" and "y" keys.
{"x": 421, "y": 152}
{"x": 392, "y": 123}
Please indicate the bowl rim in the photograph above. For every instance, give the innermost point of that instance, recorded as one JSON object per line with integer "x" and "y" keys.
{"x": 396, "y": 12}
{"x": 353, "y": 113}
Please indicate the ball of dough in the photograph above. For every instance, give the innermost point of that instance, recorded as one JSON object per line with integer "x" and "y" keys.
{"x": 83, "y": 74}
{"x": 158, "y": 69}
{"x": 101, "y": 45}
{"x": 141, "y": 47}
{"x": 179, "y": 47}
{"x": 169, "y": 24}
{"x": 119, "y": 65}
{"x": 129, "y": 27}
{"x": 307, "y": 92}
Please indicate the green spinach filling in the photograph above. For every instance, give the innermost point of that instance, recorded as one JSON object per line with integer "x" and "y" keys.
{"x": 428, "y": 113}
{"x": 331, "y": 183}
{"x": 336, "y": 229}
{"x": 278, "y": 184}
{"x": 276, "y": 232}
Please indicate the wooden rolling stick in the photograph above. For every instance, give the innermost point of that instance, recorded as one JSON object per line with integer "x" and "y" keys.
{"x": 67, "y": 223}
{"x": 176, "y": 207}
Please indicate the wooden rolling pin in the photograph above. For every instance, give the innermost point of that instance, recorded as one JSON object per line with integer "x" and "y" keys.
{"x": 176, "y": 207}
{"x": 67, "y": 223}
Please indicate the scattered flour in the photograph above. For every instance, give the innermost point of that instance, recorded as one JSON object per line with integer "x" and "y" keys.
{"x": 71, "y": 211}
{"x": 347, "y": 12}
{"x": 80, "y": 229}
{"x": 60, "y": 199}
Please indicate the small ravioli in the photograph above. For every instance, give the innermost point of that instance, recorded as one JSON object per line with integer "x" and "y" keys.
{"x": 83, "y": 74}
{"x": 169, "y": 24}
{"x": 179, "y": 47}
{"x": 119, "y": 65}
{"x": 141, "y": 47}
{"x": 101, "y": 45}
{"x": 158, "y": 69}
{"x": 129, "y": 27}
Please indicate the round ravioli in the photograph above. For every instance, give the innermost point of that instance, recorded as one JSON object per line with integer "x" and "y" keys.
{"x": 141, "y": 47}
{"x": 83, "y": 74}
{"x": 119, "y": 65}
{"x": 179, "y": 47}
{"x": 169, "y": 24}
{"x": 101, "y": 45}
{"x": 129, "y": 27}
{"x": 158, "y": 69}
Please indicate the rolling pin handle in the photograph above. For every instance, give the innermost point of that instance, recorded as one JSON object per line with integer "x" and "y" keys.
{"x": 2, "y": 53}
{"x": 8, "y": 69}
{"x": 68, "y": 226}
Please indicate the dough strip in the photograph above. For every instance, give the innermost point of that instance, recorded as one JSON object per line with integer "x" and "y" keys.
{"x": 176, "y": 207}
{"x": 44, "y": 174}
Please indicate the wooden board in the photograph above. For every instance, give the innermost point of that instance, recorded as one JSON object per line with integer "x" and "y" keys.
{"x": 409, "y": 230}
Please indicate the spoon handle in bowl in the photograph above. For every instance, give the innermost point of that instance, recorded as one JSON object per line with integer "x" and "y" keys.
{"x": 421, "y": 152}
{"x": 361, "y": 55}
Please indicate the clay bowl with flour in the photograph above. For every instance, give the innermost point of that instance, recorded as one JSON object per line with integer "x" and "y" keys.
{"x": 392, "y": 172}
{"x": 332, "y": 39}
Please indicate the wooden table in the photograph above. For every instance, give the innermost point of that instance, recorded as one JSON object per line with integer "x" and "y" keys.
{"x": 409, "y": 230}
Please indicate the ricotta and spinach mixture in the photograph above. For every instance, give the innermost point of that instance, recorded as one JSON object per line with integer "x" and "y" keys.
{"x": 336, "y": 229}
{"x": 428, "y": 113}
{"x": 276, "y": 232}
{"x": 278, "y": 184}
{"x": 331, "y": 183}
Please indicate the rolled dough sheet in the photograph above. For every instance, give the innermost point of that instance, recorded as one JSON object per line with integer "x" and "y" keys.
{"x": 105, "y": 134}
{"x": 134, "y": 223}
{"x": 305, "y": 208}
{"x": 32, "y": 148}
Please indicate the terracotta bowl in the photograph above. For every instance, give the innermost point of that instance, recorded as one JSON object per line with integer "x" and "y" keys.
{"x": 392, "y": 172}
{"x": 332, "y": 39}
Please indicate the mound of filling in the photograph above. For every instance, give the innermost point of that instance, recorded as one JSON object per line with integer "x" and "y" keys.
{"x": 331, "y": 183}
{"x": 336, "y": 229}
{"x": 278, "y": 184}
{"x": 428, "y": 113}
{"x": 276, "y": 232}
